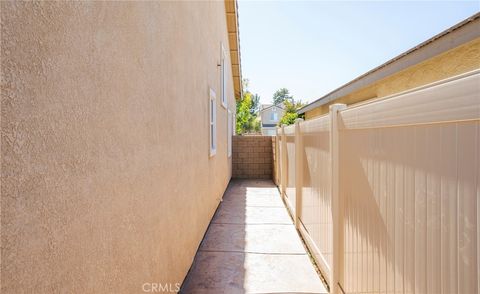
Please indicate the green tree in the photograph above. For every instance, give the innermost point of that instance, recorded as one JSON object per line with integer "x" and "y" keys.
{"x": 281, "y": 95}
{"x": 247, "y": 109}
{"x": 291, "y": 114}
{"x": 255, "y": 107}
{"x": 257, "y": 125}
{"x": 244, "y": 117}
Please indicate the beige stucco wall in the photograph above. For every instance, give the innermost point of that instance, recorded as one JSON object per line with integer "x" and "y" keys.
{"x": 456, "y": 61}
{"x": 107, "y": 181}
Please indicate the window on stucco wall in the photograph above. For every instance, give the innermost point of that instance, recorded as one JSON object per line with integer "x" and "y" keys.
{"x": 229, "y": 133}
{"x": 223, "y": 78}
{"x": 213, "y": 123}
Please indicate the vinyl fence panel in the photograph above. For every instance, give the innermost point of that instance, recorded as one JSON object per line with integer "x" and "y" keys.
{"x": 389, "y": 190}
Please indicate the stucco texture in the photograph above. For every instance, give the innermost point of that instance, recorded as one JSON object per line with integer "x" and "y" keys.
{"x": 456, "y": 61}
{"x": 107, "y": 182}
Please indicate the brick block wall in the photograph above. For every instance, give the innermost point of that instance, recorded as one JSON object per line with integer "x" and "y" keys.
{"x": 252, "y": 157}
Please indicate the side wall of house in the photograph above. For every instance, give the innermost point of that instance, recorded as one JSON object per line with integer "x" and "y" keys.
{"x": 266, "y": 115}
{"x": 107, "y": 183}
{"x": 456, "y": 61}
{"x": 266, "y": 119}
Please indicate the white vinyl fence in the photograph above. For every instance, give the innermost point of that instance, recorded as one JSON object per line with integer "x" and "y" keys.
{"x": 387, "y": 193}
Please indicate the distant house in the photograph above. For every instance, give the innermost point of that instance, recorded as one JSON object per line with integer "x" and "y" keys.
{"x": 270, "y": 115}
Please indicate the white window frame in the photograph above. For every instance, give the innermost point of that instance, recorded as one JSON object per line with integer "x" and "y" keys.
{"x": 273, "y": 116}
{"x": 234, "y": 124}
{"x": 229, "y": 133}
{"x": 223, "y": 77}
{"x": 212, "y": 126}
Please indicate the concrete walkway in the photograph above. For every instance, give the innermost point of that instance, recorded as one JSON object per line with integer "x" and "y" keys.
{"x": 252, "y": 246}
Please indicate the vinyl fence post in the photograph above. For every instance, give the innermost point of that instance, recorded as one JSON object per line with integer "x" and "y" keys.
{"x": 283, "y": 160}
{"x": 337, "y": 202}
{"x": 277, "y": 159}
{"x": 298, "y": 172}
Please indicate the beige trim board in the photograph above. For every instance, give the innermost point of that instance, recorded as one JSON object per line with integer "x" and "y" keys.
{"x": 231, "y": 11}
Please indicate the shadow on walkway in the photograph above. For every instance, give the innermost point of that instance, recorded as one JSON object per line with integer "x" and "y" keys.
{"x": 252, "y": 246}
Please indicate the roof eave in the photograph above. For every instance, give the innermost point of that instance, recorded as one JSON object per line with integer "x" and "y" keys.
{"x": 231, "y": 11}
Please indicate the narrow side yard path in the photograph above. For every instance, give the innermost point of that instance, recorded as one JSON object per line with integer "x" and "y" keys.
{"x": 252, "y": 246}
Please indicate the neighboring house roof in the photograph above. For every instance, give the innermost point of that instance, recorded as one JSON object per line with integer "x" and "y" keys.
{"x": 231, "y": 10}
{"x": 455, "y": 36}
{"x": 268, "y": 106}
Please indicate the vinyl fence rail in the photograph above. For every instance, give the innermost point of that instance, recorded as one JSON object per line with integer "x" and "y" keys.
{"x": 387, "y": 193}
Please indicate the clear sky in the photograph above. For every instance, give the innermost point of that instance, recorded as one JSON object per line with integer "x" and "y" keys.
{"x": 312, "y": 48}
